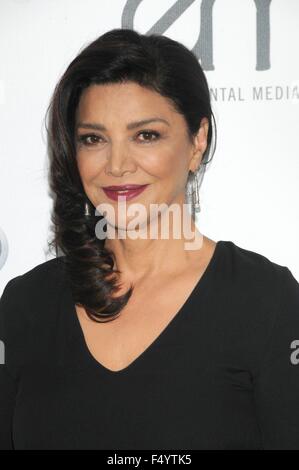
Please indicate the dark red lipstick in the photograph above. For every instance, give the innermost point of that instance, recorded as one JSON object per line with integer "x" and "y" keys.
{"x": 126, "y": 191}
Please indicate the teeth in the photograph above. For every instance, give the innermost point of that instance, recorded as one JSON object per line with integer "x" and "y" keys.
{"x": 126, "y": 190}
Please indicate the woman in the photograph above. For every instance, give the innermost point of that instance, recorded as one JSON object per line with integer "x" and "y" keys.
{"x": 127, "y": 342}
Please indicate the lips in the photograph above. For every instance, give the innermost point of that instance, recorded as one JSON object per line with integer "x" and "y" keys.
{"x": 125, "y": 192}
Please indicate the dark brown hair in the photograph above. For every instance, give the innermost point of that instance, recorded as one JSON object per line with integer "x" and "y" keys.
{"x": 154, "y": 61}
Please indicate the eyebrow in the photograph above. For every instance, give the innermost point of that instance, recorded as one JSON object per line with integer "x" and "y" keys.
{"x": 131, "y": 125}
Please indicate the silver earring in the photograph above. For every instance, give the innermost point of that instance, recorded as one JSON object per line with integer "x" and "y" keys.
{"x": 195, "y": 193}
{"x": 87, "y": 210}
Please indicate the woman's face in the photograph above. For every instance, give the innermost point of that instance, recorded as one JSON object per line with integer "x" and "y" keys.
{"x": 113, "y": 151}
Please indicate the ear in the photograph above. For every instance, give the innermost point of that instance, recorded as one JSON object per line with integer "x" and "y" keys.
{"x": 199, "y": 145}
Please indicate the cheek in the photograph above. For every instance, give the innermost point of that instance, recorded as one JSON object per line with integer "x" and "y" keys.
{"x": 164, "y": 163}
{"x": 88, "y": 167}
{"x": 168, "y": 164}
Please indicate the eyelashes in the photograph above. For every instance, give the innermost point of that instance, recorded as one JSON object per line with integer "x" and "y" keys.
{"x": 83, "y": 139}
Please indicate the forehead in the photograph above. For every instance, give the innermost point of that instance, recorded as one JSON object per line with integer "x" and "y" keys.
{"x": 124, "y": 100}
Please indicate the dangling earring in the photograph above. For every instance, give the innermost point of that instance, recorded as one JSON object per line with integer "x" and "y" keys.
{"x": 195, "y": 193}
{"x": 87, "y": 210}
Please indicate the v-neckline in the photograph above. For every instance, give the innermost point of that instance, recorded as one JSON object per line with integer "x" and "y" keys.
{"x": 79, "y": 334}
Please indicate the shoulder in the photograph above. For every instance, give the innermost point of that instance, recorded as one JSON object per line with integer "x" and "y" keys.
{"x": 30, "y": 299}
{"x": 254, "y": 270}
{"x": 255, "y": 283}
{"x": 47, "y": 275}
{"x": 261, "y": 302}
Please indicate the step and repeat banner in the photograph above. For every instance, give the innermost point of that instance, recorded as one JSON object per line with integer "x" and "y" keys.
{"x": 248, "y": 50}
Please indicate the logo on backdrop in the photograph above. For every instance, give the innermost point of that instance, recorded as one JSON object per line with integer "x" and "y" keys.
{"x": 203, "y": 48}
{"x": 3, "y": 248}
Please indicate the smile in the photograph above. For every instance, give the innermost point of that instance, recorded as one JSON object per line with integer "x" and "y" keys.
{"x": 124, "y": 194}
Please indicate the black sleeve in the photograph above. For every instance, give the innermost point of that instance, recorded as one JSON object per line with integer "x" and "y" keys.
{"x": 276, "y": 388}
{"x": 7, "y": 381}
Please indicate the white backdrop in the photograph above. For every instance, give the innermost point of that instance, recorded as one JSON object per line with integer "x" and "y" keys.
{"x": 249, "y": 52}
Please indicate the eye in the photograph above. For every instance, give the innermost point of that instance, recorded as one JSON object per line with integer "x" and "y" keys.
{"x": 93, "y": 139}
{"x": 83, "y": 139}
{"x": 147, "y": 133}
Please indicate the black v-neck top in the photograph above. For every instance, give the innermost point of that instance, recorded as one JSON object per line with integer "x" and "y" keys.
{"x": 223, "y": 374}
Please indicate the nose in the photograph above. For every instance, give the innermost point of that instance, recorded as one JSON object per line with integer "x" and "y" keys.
{"x": 119, "y": 161}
